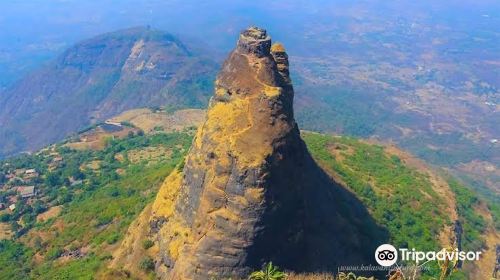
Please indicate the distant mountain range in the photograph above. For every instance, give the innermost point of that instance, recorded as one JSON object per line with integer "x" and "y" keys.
{"x": 95, "y": 215}
{"x": 98, "y": 78}
{"x": 447, "y": 122}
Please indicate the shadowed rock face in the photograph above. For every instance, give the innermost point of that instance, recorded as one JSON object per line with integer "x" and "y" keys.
{"x": 249, "y": 191}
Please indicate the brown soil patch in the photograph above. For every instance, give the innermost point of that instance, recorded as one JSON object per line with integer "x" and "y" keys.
{"x": 339, "y": 150}
{"x": 96, "y": 139}
{"x": 5, "y": 232}
{"x": 121, "y": 171}
{"x": 119, "y": 157}
{"x": 149, "y": 154}
{"x": 483, "y": 268}
{"x": 93, "y": 165}
{"x": 51, "y": 213}
{"x": 148, "y": 121}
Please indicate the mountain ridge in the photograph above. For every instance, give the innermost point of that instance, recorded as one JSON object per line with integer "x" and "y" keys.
{"x": 98, "y": 78}
{"x": 346, "y": 159}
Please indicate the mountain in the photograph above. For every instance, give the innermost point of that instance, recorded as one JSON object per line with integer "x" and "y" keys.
{"x": 72, "y": 230}
{"x": 99, "y": 78}
{"x": 144, "y": 196}
{"x": 249, "y": 191}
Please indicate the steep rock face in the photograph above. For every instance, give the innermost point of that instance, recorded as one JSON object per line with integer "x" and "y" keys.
{"x": 249, "y": 191}
{"x": 99, "y": 78}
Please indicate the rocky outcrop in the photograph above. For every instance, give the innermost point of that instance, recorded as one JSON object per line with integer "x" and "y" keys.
{"x": 249, "y": 191}
{"x": 457, "y": 238}
{"x": 496, "y": 269}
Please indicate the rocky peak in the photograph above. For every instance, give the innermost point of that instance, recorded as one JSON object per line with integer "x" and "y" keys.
{"x": 249, "y": 191}
{"x": 254, "y": 41}
{"x": 281, "y": 58}
{"x": 252, "y": 70}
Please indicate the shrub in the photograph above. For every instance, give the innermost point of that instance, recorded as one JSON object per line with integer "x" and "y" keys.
{"x": 147, "y": 264}
{"x": 113, "y": 238}
{"x": 53, "y": 253}
{"x": 146, "y": 244}
{"x": 268, "y": 272}
{"x": 5, "y": 217}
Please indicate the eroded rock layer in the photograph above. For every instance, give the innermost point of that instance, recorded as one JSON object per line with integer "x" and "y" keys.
{"x": 249, "y": 191}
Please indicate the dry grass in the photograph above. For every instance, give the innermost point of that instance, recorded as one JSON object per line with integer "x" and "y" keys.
{"x": 310, "y": 276}
{"x": 93, "y": 165}
{"x": 5, "y": 232}
{"x": 147, "y": 120}
{"x": 127, "y": 256}
{"x": 51, "y": 213}
{"x": 150, "y": 154}
{"x": 96, "y": 139}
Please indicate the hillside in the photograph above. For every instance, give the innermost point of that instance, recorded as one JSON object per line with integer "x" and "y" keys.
{"x": 107, "y": 201}
{"x": 402, "y": 193}
{"x": 142, "y": 195}
{"x": 249, "y": 192}
{"x": 84, "y": 202}
{"x": 99, "y": 78}
{"x": 421, "y": 74}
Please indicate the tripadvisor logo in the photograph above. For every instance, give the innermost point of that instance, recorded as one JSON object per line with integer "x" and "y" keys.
{"x": 387, "y": 255}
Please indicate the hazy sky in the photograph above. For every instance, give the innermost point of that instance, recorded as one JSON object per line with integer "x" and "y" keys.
{"x": 32, "y": 31}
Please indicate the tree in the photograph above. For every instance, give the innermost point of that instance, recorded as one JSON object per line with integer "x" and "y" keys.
{"x": 38, "y": 207}
{"x": 5, "y": 217}
{"x": 3, "y": 179}
{"x": 52, "y": 180}
{"x": 268, "y": 272}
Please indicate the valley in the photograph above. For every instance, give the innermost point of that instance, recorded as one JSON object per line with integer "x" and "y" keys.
{"x": 176, "y": 141}
{"x": 50, "y": 246}
{"x": 96, "y": 204}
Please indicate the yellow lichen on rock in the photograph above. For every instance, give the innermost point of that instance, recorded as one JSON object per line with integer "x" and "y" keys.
{"x": 272, "y": 91}
{"x": 131, "y": 250}
{"x": 277, "y": 47}
{"x": 165, "y": 200}
{"x": 179, "y": 234}
{"x": 225, "y": 125}
{"x": 206, "y": 216}
{"x": 254, "y": 194}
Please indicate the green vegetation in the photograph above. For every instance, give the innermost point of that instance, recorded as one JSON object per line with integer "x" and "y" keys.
{"x": 77, "y": 269}
{"x": 398, "y": 197}
{"x": 15, "y": 260}
{"x": 454, "y": 148}
{"x": 491, "y": 198}
{"x": 101, "y": 193}
{"x": 268, "y": 272}
{"x": 344, "y": 111}
{"x": 473, "y": 223}
{"x": 147, "y": 264}
{"x": 146, "y": 244}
